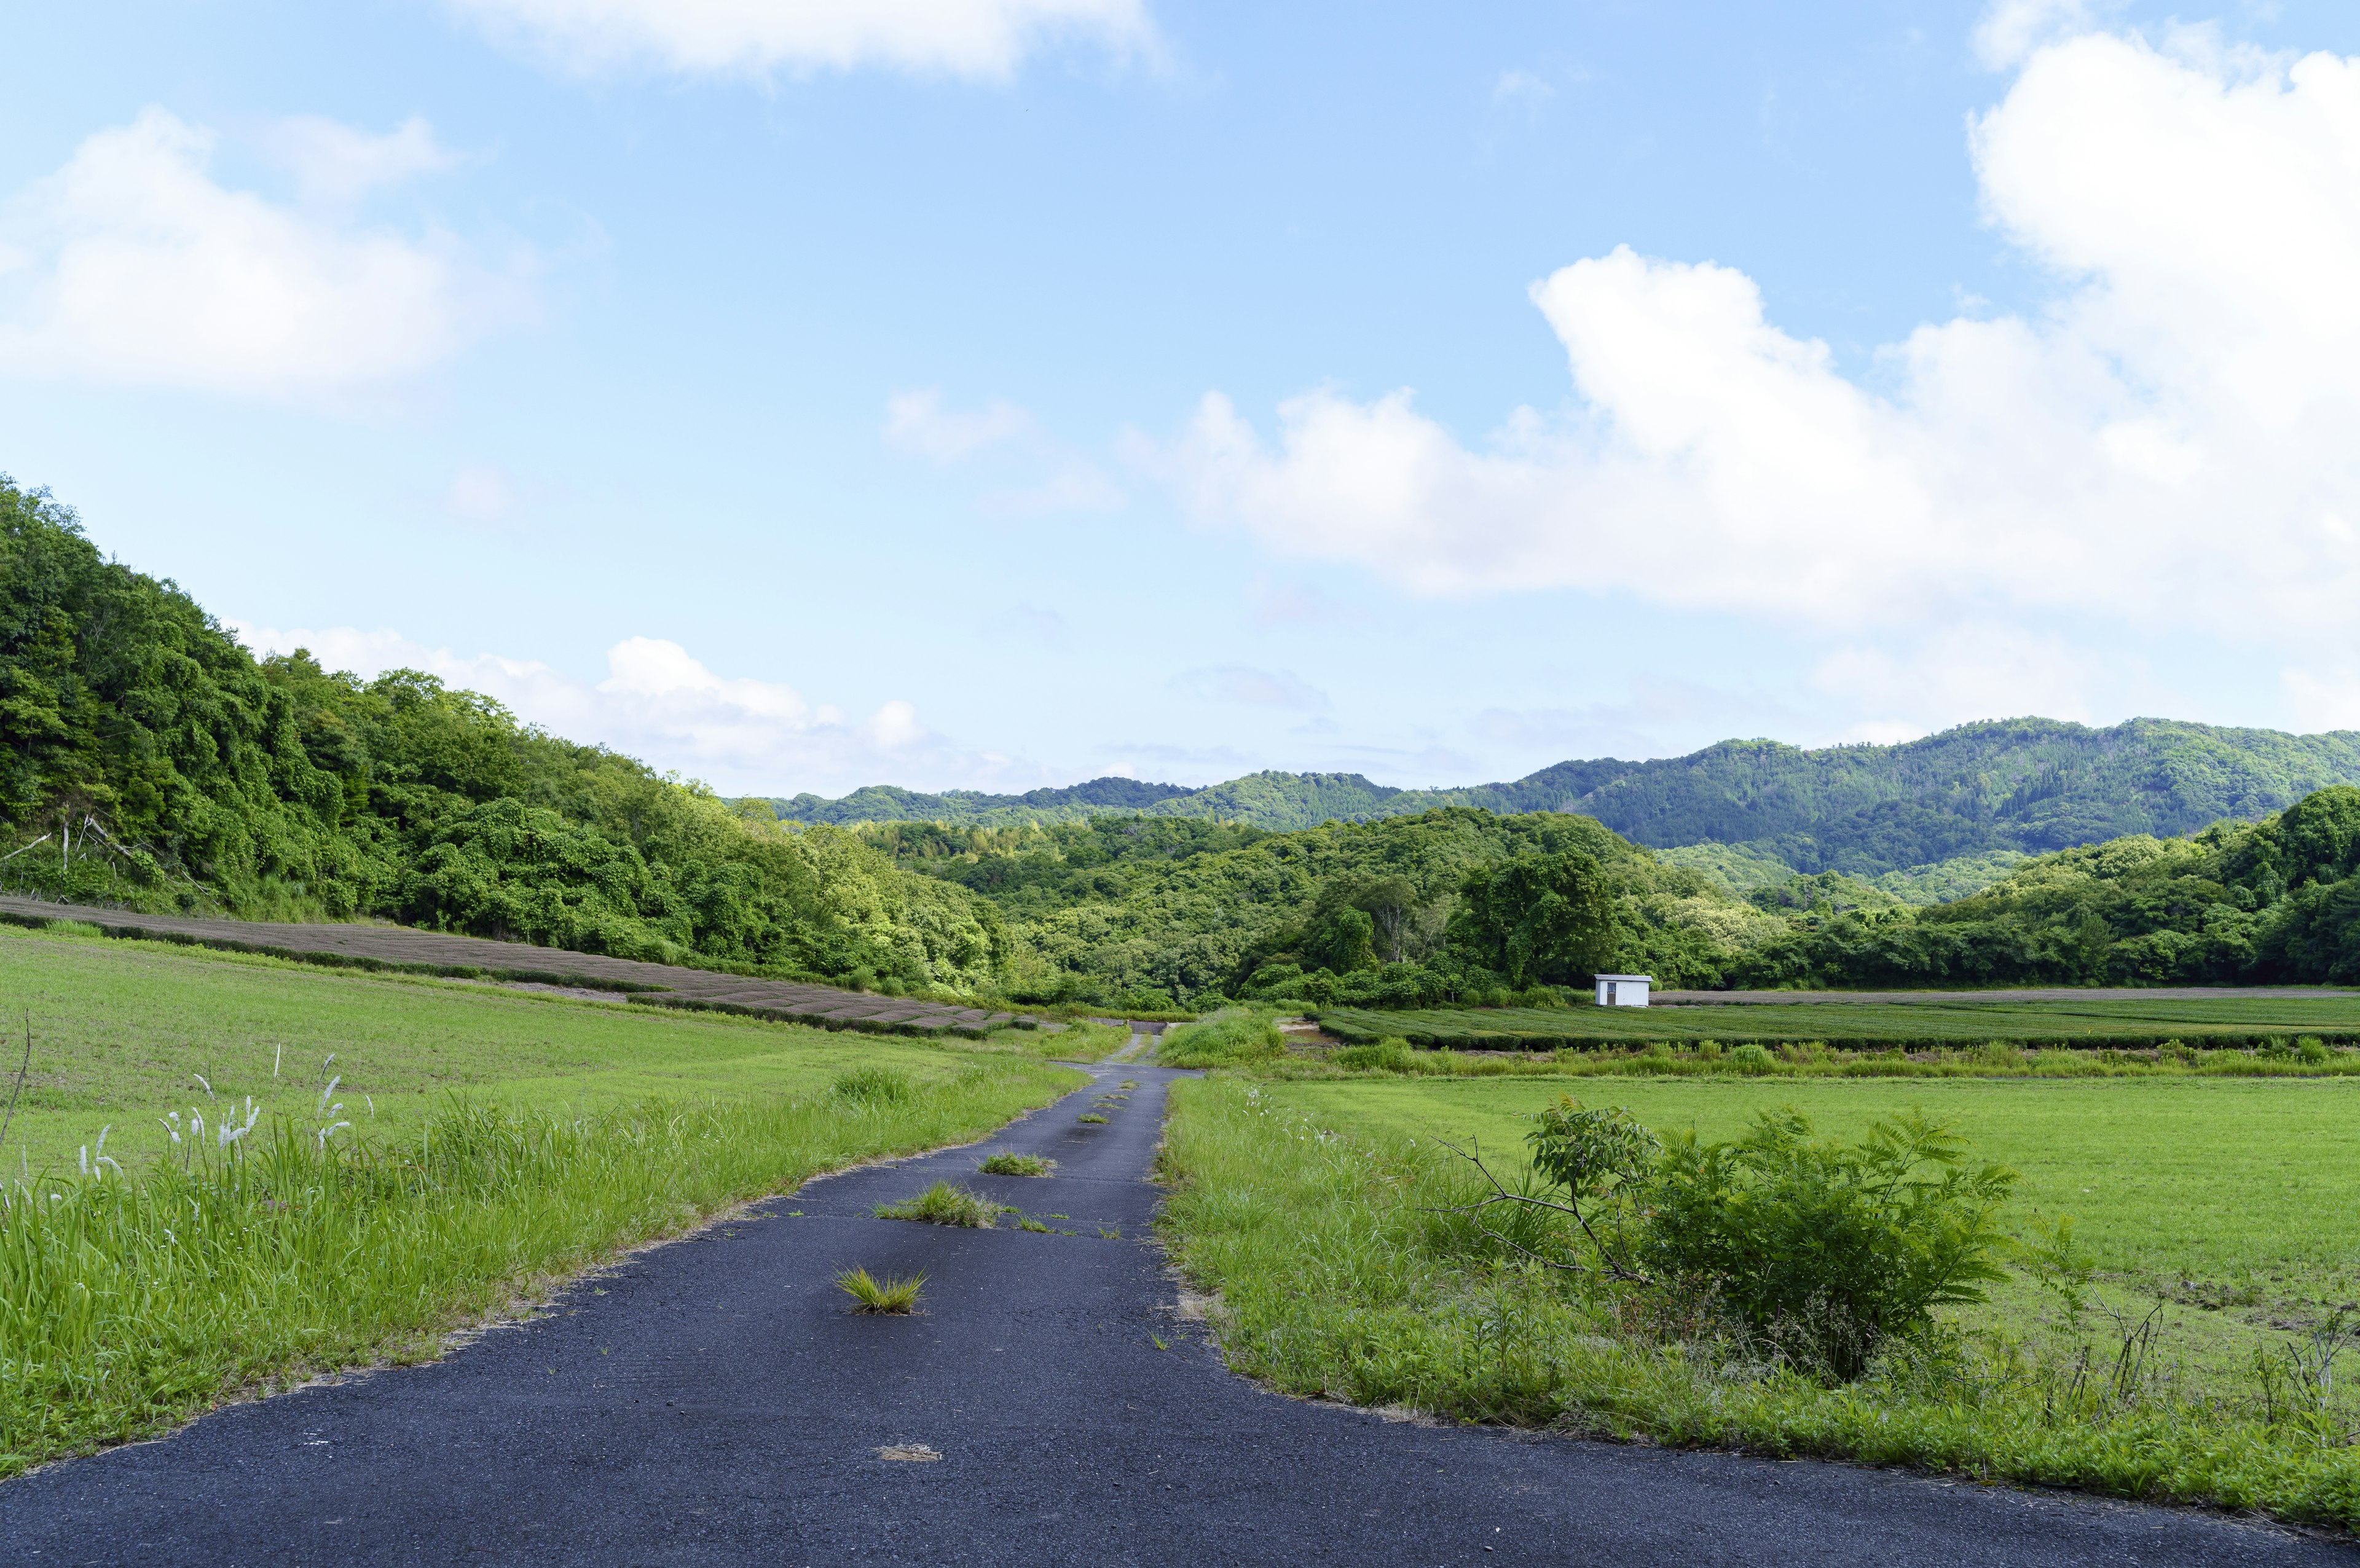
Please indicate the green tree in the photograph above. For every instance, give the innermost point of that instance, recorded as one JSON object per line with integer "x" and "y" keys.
{"x": 1545, "y": 919}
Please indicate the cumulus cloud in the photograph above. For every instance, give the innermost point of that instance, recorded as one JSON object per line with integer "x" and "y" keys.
{"x": 132, "y": 264}
{"x": 661, "y": 703}
{"x": 977, "y": 39}
{"x": 2166, "y": 447}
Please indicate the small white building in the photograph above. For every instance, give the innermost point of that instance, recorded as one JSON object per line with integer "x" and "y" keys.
{"x": 1623, "y": 990}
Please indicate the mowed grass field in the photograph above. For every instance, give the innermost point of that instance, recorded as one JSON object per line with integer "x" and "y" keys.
{"x": 2239, "y": 1016}
{"x": 123, "y": 1031}
{"x": 2164, "y": 1178}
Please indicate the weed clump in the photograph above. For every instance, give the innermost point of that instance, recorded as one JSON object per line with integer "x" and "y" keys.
{"x": 1391, "y": 1054}
{"x": 1006, "y": 1164}
{"x": 1089, "y": 1116}
{"x": 892, "y": 1297}
{"x": 875, "y": 1086}
{"x": 944, "y": 1205}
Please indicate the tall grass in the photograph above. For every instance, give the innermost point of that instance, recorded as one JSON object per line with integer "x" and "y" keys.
{"x": 1340, "y": 1272}
{"x": 131, "y": 1300}
{"x": 1229, "y": 1038}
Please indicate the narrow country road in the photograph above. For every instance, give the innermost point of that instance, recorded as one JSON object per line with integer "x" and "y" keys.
{"x": 713, "y": 1402}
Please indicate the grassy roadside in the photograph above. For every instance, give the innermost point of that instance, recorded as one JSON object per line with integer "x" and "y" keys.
{"x": 516, "y": 1139}
{"x": 1335, "y": 1276}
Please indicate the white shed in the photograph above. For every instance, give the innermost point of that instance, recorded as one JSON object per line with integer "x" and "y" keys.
{"x": 1623, "y": 990}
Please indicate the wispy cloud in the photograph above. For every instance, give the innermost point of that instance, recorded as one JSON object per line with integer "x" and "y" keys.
{"x": 975, "y": 39}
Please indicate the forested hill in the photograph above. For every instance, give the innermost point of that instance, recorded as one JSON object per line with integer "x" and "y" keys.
{"x": 147, "y": 760}
{"x": 2026, "y": 785}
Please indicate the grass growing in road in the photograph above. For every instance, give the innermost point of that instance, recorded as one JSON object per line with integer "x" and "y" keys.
{"x": 1318, "y": 1214}
{"x": 944, "y": 1205}
{"x": 1089, "y": 1116}
{"x": 1007, "y": 1163}
{"x": 892, "y": 1295}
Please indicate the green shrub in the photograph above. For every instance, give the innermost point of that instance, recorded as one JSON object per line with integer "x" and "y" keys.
{"x": 875, "y": 1086}
{"x": 1751, "y": 1058}
{"x": 1229, "y": 1039}
{"x": 1826, "y": 1250}
{"x": 2313, "y": 1049}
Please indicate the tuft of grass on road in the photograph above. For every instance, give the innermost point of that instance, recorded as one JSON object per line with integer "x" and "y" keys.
{"x": 1318, "y": 1213}
{"x": 892, "y": 1296}
{"x": 1007, "y": 1163}
{"x": 944, "y": 1205}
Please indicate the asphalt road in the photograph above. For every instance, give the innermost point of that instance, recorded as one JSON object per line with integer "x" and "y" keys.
{"x": 713, "y": 1402}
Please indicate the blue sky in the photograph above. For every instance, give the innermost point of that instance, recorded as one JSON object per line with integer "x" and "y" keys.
{"x": 991, "y": 393}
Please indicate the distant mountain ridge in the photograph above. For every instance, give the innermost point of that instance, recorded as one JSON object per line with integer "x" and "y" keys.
{"x": 2028, "y": 785}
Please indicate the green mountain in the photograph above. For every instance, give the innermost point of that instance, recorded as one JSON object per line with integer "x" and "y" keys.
{"x": 891, "y": 803}
{"x": 1976, "y": 795}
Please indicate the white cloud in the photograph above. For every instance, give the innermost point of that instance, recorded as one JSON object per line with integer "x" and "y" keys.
{"x": 334, "y": 163}
{"x": 983, "y": 39}
{"x": 660, "y": 704}
{"x": 2167, "y": 447}
{"x": 917, "y": 423}
{"x": 1255, "y": 687}
{"x": 133, "y": 265}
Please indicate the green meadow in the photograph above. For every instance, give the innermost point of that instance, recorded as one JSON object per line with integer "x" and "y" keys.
{"x": 123, "y": 1032}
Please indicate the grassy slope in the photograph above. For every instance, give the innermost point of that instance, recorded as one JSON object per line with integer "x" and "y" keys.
{"x": 120, "y": 1027}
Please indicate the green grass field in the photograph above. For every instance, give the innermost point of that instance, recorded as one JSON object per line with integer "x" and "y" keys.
{"x": 2223, "y": 1218}
{"x": 2235, "y": 1016}
{"x": 2252, "y": 1185}
{"x": 122, "y": 1030}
